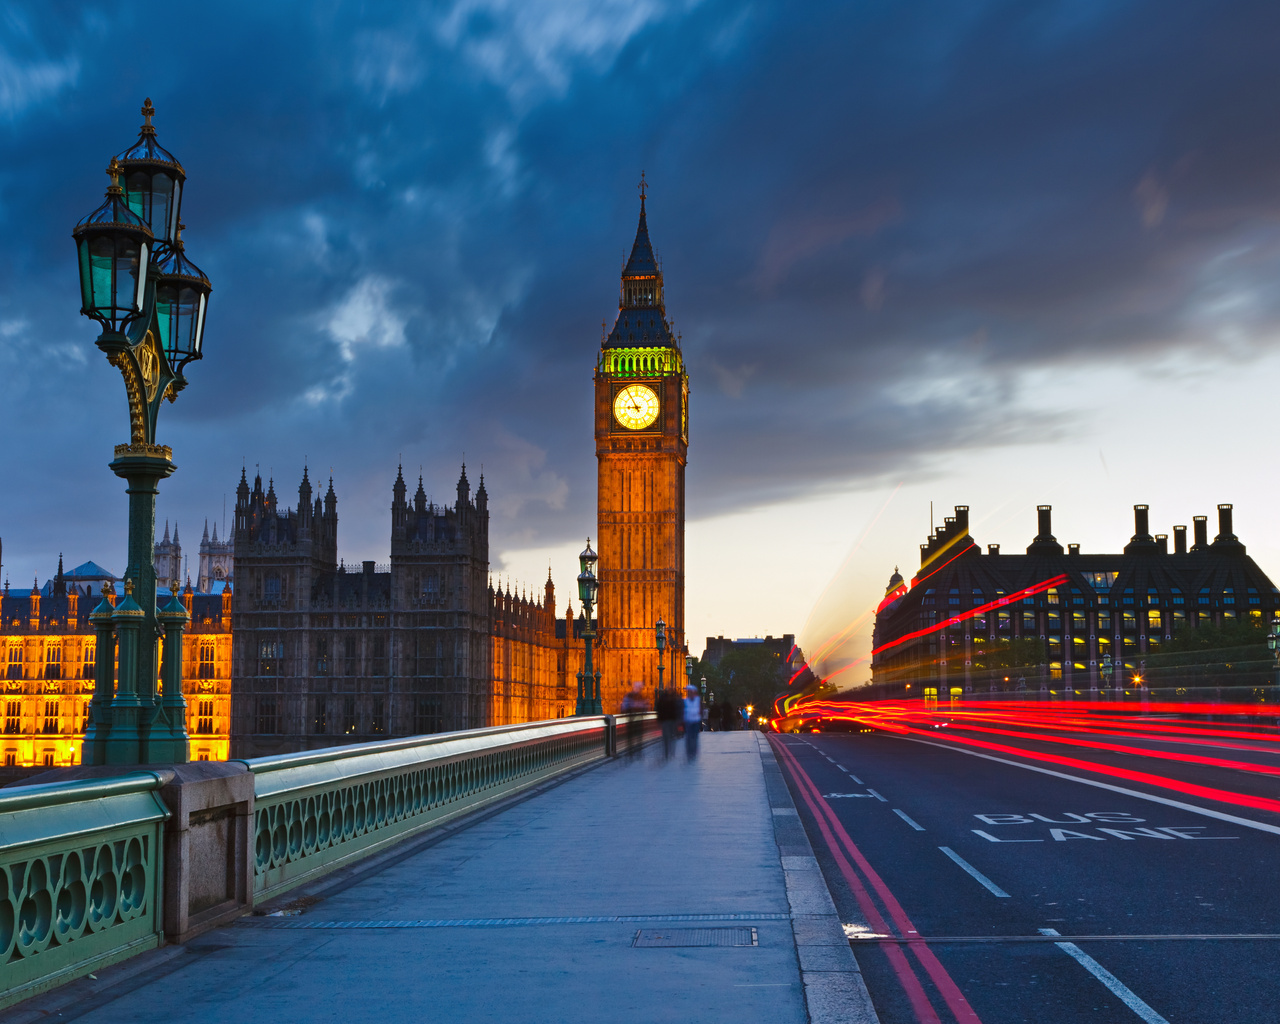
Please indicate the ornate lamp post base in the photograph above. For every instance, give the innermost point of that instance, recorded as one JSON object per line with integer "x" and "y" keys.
{"x": 130, "y": 722}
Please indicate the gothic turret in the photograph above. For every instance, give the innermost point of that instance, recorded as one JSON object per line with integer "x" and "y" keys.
{"x": 464, "y": 490}
{"x": 304, "y": 494}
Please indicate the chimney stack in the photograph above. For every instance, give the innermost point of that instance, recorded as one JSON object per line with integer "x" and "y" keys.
{"x": 1073, "y": 549}
{"x": 962, "y": 517}
{"x": 1162, "y": 542}
{"x": 1046, "y": 522}
{"x": 1141, "y": 526}
{"x": 1224, "y": 524}
{"x": 1200, "y": 524}
{"x": 1045, "y": 543}
{"x": 993, "y": 549}
{"x": 1179, "y": 540}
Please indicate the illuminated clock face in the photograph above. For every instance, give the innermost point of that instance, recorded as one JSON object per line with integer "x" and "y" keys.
{"x": 635, "y": 406}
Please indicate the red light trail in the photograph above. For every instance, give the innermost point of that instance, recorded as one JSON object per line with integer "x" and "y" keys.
{"x": 1061, "y": 726}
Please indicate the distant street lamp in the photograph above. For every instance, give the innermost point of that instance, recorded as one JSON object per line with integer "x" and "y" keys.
{"x": 689, "y": 661}
{"x": 150, "y": 300}
{"x": 588, "y": 682}
{"x": 661, "y": 634}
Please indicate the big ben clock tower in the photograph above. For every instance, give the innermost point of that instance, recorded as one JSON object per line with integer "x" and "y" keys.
{"x": 642, "y": 441}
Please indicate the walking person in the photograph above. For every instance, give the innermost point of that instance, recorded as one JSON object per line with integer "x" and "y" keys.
{"x": 635, "y": 705}
{"x": 670, "y": 711}
{"x": 692, "y": 721}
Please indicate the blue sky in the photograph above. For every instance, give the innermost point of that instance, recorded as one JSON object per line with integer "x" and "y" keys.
{"x": 905, "y": 244}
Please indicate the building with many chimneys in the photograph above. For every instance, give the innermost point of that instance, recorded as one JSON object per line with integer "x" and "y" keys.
{"x": 328, "y": 654}
{"x": 946, "y": 626}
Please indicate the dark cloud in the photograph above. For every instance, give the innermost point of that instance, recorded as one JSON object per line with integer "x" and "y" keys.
{"x": 872, "y": 218}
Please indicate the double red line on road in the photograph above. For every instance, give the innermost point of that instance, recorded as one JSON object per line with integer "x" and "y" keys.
{"x": 839, "y": 843}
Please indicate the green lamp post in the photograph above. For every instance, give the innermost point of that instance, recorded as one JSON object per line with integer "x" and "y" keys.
{"x": 660, "y": 633}
{"x": 589, "y": 702}
{"x": 150, "y": 300}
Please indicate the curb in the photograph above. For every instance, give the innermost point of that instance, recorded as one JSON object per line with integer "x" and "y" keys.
{"x": 833, "y": 987}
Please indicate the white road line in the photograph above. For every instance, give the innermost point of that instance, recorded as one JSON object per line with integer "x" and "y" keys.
{"x": 903, "y": 816}
{"x": 1235, "y": 819}
{"x": 1118, "y": 988}
{"x": 875, "y": 794}
{"x": 982, "y": 879}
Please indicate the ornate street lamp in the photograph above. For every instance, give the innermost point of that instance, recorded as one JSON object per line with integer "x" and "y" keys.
{"x": 660, "y": 631}
{"x": 588, "y": 681}
{"x": 1105, "y": 671}
{"x": 150, "y": 300}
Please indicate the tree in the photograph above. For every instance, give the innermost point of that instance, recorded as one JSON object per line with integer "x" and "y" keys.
{"x": 745, "y": 676}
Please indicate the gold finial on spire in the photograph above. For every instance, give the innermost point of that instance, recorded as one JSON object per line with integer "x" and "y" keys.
{"x": 128, "y": 587}
{"x": 644, "y": 187}
{"x": 113, "y": 169}
{"x": 148, "y": 112}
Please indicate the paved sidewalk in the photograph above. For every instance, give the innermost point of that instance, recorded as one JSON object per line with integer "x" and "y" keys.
{"x": 645, "y": 840}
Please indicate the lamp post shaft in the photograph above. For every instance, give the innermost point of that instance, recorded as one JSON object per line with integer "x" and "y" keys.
{"x": 589, "y": 702}
{"x": 132, "y": 723}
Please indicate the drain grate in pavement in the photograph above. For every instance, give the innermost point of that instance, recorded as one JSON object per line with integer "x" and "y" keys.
{"x": 668, "y": 937}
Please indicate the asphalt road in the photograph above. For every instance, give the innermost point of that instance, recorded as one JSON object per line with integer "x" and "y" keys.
{"x": 1130, "y": 886}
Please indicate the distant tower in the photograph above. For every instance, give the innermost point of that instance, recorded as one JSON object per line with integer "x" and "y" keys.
{"x": 167, "y": 557}
{"x": 642, "y": 438}
{"x": 216, "y": 559}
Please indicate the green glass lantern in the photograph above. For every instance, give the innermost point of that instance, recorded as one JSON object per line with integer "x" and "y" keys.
{"x": 153, "y": 181}
{"x": 114, "y": 247}
{"x": 588, "y": 585}
{"x": 182, "y": 293}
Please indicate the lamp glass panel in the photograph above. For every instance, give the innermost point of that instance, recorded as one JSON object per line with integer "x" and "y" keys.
{"x": 137, "y": 194}
{"x": 140, "y": 275}
{"x": 198, "y": 338}
{"x": 102, "y": 266}
{"x": 175, "y": 204}
{"x": 86, "y": 274}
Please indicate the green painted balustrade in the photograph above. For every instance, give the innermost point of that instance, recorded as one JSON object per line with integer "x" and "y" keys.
{"x": 320, "y": 810}
{"x": 81, "y": 869}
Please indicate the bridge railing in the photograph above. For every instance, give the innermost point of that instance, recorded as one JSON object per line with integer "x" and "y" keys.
{"x": 320, "y": 810}
{"x": 94, "y": 871}
{"x": 81, "y": 875}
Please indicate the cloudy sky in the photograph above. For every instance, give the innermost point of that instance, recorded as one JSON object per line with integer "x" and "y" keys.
{"x": 992, "y": 254}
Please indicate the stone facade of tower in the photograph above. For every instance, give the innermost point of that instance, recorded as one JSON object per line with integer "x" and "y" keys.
{"x": 642, "y": 438}
{"x": 167, "y": 557}
{"x": 217, "y": 559}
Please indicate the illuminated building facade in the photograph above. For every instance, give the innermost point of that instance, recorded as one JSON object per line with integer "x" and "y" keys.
{"x": 327, "y": 655}
{"x": 642, "y": 442}
{"x": 535, "y": 658}
{"x": 48, "y": 646}
{"x": 1123, "y": 605}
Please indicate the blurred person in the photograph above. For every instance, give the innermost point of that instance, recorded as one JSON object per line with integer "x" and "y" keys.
{"x": 670, "y": 712}
{"x": 634, "y": 704}
{"x": 692, "y": 721}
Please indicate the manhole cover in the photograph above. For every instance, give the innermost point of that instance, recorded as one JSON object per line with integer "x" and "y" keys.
{"x": 652, "y": 937}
